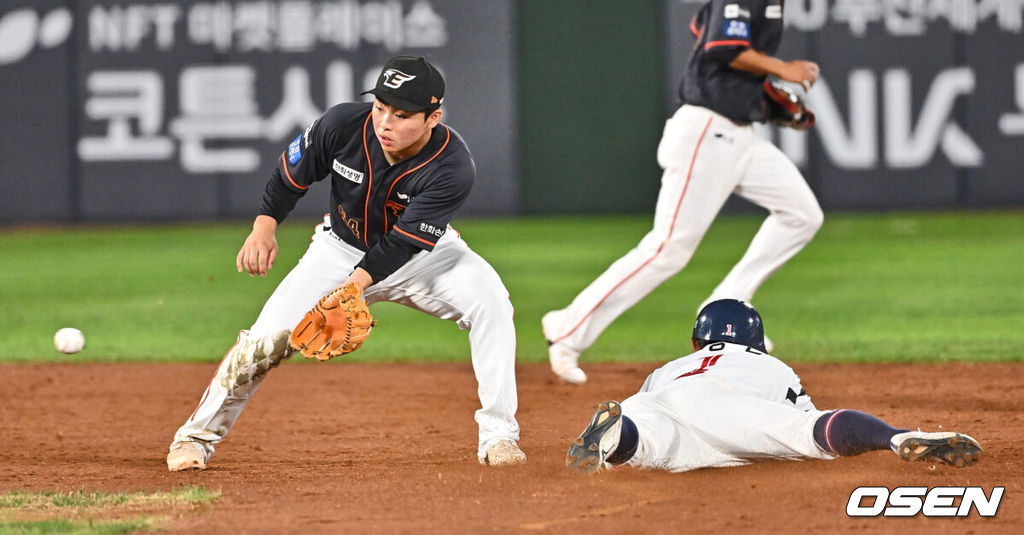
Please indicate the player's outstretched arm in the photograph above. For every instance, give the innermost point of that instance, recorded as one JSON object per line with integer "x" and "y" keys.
{"x": 796, "y": 71}
{"x": 259, "y": 251}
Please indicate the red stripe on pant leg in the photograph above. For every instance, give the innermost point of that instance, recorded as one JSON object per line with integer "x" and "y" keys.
{"x": 675, "y": 216}
{"x": 828, "y": 430}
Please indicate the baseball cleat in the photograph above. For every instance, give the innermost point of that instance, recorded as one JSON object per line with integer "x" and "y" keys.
{"x": 949, "y": 448}
{"x": 598, "y": 440}
{"x": 564, "y": 362}
{"x": 187, "y": 456}
{"x": 503, "y": 453}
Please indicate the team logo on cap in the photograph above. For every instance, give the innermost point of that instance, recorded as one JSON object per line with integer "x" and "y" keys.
{"x": 394, "y": 78}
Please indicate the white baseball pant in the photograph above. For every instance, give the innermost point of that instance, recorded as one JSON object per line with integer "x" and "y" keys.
{"x": 706, "y": 157}
{"x": 702, "y": 423}
{"x": 451, "y": 282}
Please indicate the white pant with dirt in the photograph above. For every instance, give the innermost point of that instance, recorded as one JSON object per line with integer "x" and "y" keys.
{"x": 451, "y": 282}
{"x": 705, "y": 157}
{"x": 724, "y": 405}
{"x": 709, "y": 425}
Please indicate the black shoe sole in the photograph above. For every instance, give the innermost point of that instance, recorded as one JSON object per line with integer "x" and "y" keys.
{"x": 585, "y": 453}
{"x": 958, "y": 450}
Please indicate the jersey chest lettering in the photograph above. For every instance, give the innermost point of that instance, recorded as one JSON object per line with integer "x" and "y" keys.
{"x": 396, "y": 207}
{"x": 358, "y": 213}
{"x": 347, "y": 172}
{"x": 350, "y": 222}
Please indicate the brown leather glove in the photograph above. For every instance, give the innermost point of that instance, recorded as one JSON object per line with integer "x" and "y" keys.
{"x": 338, "y": 324}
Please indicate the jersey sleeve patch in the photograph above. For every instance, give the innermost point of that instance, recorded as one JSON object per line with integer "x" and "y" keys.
{"x": 736, "y": 28}
{"x": 734, "y": 11}
{"x": 295, "y": 150}
{"x": 424, "y": 228}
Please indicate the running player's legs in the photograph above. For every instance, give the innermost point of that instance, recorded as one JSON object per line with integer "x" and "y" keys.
{"x": 454, "y": 283}
{"x": 706, "y": 425}
{"x": 773, "y": 182}
{"x": 702, "y": 156}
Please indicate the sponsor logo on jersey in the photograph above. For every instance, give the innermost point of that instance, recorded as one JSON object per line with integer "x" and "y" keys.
{"x": 736, "y": 28}
{"x": 911, "y": 501}
{"x": 295, "y": 150}
{"x": 348, "y": 172}
{"x": 773, "y": 12}
{"x": 734, "y": 11}
{"x": 431, "y": 229}
{"x": 394, "y": 78}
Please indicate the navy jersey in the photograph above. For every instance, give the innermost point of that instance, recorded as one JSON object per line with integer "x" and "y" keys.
{"x": 403, "y": 207}
{"x": 724, "y": 29}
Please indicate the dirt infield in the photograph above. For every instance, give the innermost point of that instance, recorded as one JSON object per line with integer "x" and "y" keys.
{"x": 375, "y": 448}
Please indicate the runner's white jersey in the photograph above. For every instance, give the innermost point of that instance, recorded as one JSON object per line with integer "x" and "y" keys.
{"x": 724, "y": 405}
{"x": 739, "y": 367}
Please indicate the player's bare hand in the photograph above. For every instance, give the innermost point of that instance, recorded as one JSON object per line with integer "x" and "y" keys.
{"x": 801, "y": 72}
{"x": 259, "y": 251}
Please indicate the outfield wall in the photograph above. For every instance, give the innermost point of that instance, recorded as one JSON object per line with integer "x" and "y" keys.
{"x": 920, "y": 104}
{"x": 128, "y": 110}
{"x": 120, "y": 110}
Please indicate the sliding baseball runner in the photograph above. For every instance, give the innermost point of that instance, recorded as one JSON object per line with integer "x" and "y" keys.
{"x": 729, "y": 403}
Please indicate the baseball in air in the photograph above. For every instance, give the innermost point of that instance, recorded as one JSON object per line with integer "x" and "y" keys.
{"x": 69, "y": 340}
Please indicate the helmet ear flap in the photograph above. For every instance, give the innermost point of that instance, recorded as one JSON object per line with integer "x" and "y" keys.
{"x": 729, "y": 320}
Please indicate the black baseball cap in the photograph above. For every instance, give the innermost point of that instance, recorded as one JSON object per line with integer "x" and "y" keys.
{"x": 409, "y": 83}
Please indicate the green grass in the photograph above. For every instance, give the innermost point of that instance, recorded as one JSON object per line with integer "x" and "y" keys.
{"x": 74, "y": 527}
{"x": 873, "y": 287}
{"x": 82, "y": 499}
{"x": 69, "y": 513}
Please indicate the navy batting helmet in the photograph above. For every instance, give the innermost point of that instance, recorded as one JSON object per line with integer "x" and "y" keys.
{"x": 730, "y": 320}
